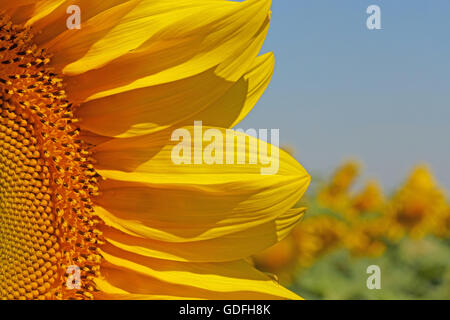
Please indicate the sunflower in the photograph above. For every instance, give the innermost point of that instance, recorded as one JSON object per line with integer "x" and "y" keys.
{"x": 417, "y": 207}
{"x": 365, "y": 238}
{"x": 335, "y": 194}
{"x": 86, "y": 177}
{"x": 317, "y": 236}
{"x": 369, "y": 199}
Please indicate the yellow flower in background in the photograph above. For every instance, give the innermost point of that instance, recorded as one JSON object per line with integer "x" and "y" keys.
{"x": 362, "y": 223}
{"x": 310, "y": 240}
{"x": 335, "y": 194}
{"x": 85, "y": 164}
{"x": 370, "y": 199}
{"x": 417, "y": 206}
{"x": 317, "y": 236}
{"x": 442, "y": 228}
{"x": 365, "y": 238}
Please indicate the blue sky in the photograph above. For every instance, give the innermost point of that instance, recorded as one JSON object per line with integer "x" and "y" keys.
{"x": 341, "y": 90}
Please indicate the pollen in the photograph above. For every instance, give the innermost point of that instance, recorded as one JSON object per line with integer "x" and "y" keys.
{"x": 47, "y": 180}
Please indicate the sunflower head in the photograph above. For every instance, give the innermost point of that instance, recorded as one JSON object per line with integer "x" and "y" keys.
{"x": 418, "y": 204}
{"x": 335, "y": 193}
{"x": 369, "y": 199}
{"x": 317, "y": 236}
{"x": 47, "y": 178}
{"x": 86, "y": 178}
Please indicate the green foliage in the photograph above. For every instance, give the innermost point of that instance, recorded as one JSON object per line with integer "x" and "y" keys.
{"x": 409, "y": 270}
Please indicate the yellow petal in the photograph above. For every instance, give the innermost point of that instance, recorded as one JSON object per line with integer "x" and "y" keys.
{"x": 97, "y": 19}
{"x": 167, "y": 19}
{"x": 48, "y": 17}
{"x": 8, "y": 5}
{"x": 22, "y": 11}
{"x": 230, "y": 247}
{"x": 126, "y": 272}
{"x": 234, "y": 106}
{"x": 205, "y": 97}
{"x": 151, "y": 196}
{"x": 172, "y": 40}
{"x": 42, "y": 10}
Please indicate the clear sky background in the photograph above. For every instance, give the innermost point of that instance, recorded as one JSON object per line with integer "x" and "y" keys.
{"x": 341, "y": 90}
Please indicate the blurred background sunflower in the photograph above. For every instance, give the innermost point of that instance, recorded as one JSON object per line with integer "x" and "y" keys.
{"x": 405, "y": 234}
{"x": 369, "y": 119}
